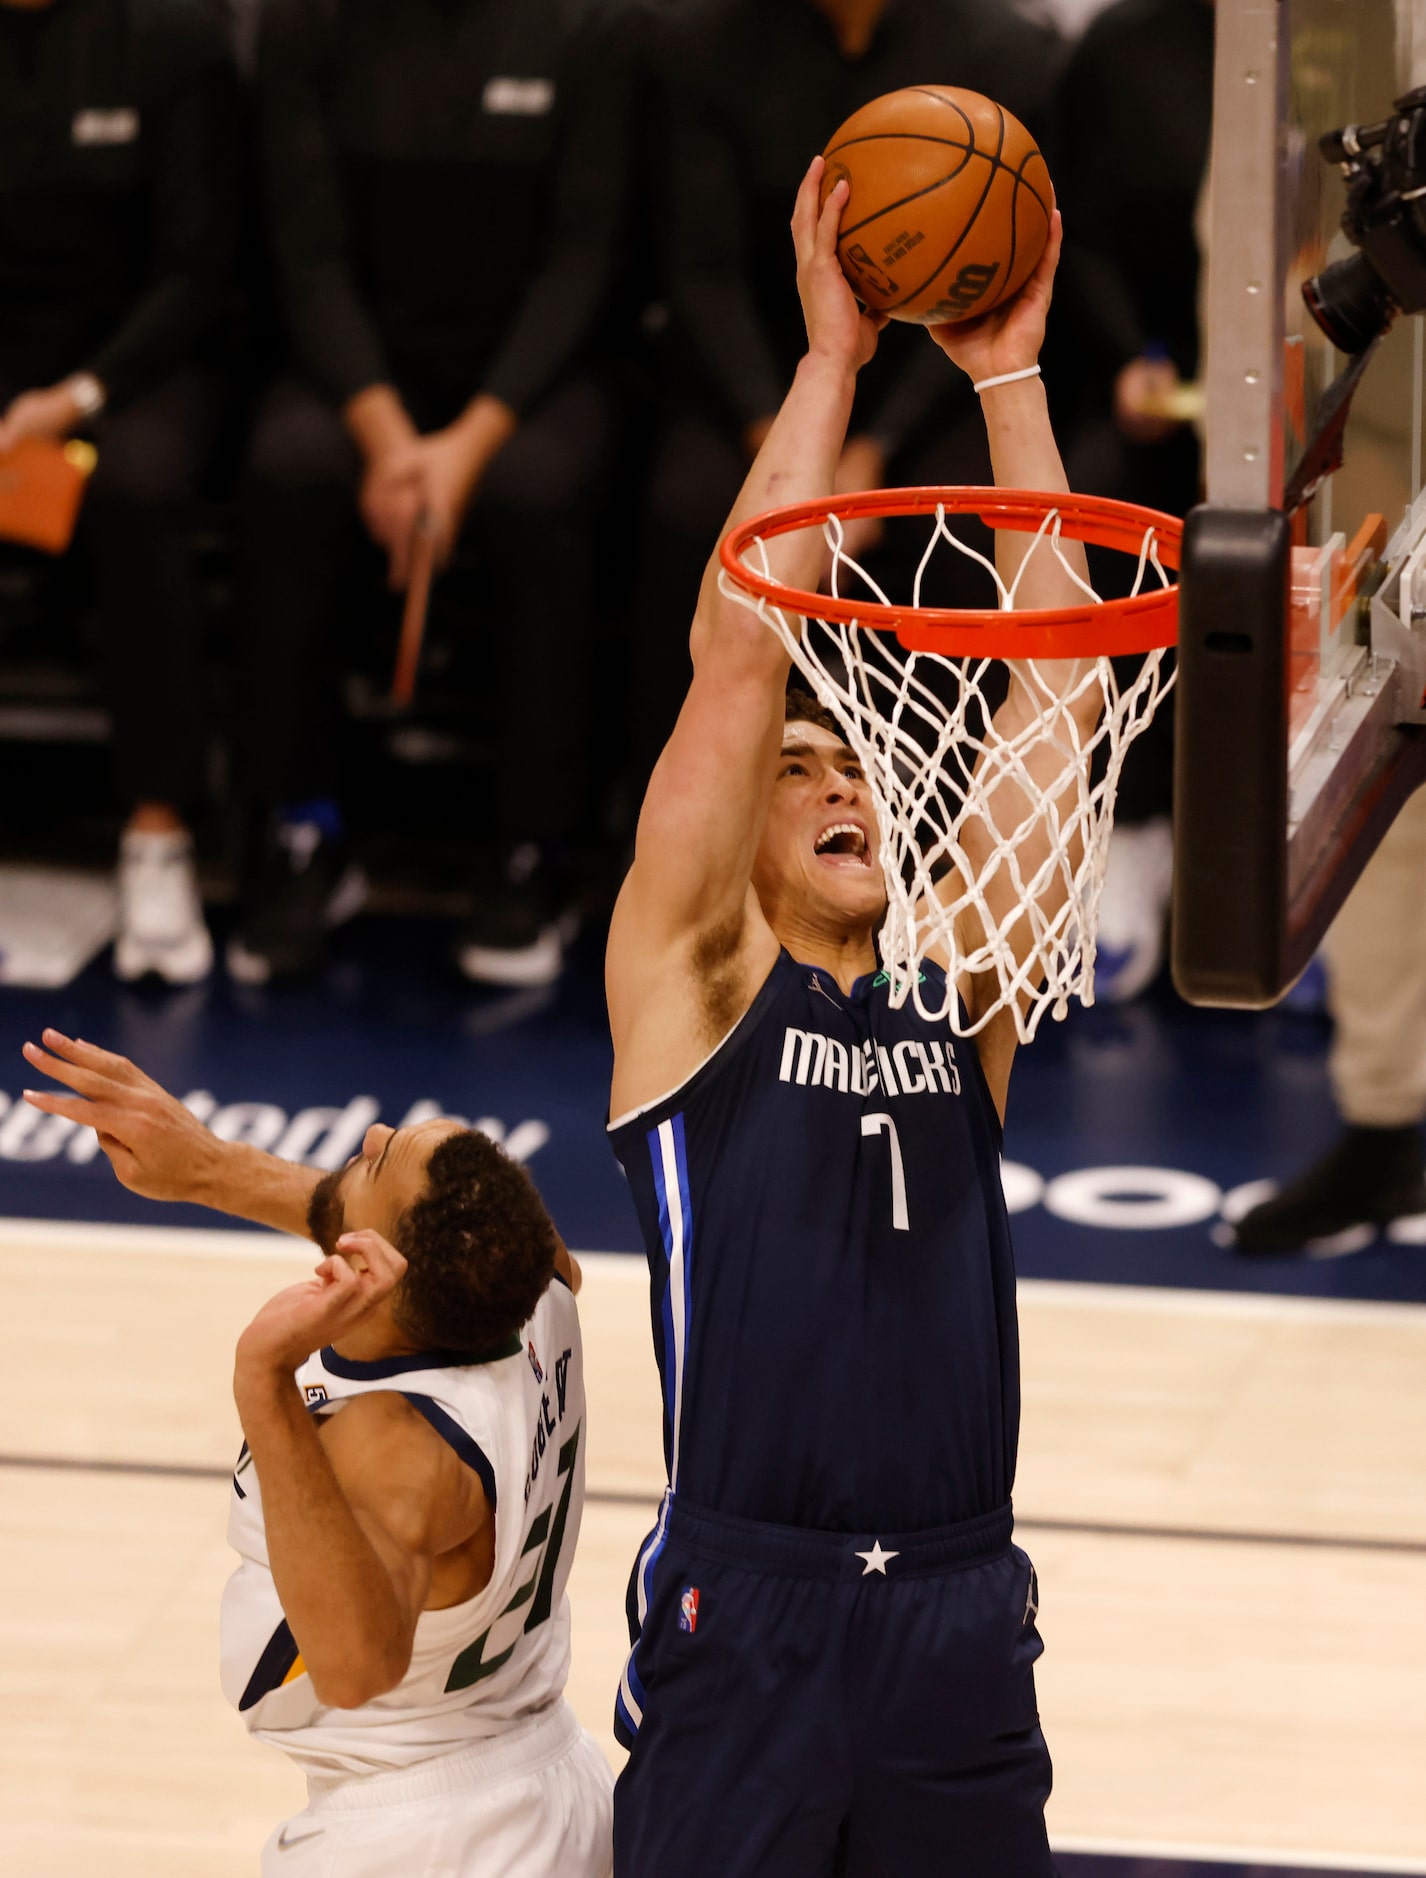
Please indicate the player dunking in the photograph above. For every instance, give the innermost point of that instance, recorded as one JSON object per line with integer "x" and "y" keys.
{"x": 408, "y": 1497}
{"x": 834, "y": 1636}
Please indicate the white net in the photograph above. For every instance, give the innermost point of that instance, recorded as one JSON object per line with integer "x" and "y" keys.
{"x": 994, "y": 785}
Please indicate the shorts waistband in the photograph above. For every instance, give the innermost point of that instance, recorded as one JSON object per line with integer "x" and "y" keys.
{"x": 808, "y": 1552}
{"x": 520, "y": 1749}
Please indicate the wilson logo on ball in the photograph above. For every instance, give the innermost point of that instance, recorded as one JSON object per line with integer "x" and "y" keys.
{"x": 869, "y": 273}
{"x": 969, "y": 286}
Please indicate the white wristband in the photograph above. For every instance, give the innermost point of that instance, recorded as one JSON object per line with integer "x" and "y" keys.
{"x": 1006, "y": 378}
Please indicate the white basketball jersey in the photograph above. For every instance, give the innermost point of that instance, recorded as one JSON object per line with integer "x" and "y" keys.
{"x": 518, "y": 1421}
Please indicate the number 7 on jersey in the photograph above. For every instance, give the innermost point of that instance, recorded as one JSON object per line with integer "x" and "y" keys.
{"x": 882, "y": 1123}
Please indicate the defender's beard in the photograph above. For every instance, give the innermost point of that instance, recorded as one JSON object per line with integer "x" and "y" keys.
{"x": 325, "y": 1216}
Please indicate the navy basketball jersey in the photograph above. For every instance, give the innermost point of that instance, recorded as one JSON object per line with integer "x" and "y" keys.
{"x": 832, "y": 1280}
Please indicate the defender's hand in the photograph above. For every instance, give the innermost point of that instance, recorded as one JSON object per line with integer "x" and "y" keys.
{"x": 341, "y": 1294}
{"x": 1009, "y": 338}
{"x": 837, "y": 327}
{"x": 156, "y": 1147}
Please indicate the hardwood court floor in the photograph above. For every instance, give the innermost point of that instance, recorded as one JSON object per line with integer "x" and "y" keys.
{"x": 1226, "y": 1499}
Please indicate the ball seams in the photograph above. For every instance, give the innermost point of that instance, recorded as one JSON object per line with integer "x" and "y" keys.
{"x": 1017, "y": 176}
{"x": 915, "y": 292}
{"x": 915, "y": 196}
{"x": 966, "y": 147}
{"x": 994, "y": 163}
{"x": 1014, "y": 209}
{"x": 949, "y": 104}
{"x": 902, "y": 136}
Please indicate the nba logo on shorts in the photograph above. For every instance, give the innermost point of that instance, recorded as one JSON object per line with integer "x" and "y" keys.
{"x": 535, "y": 1364}
{"x": 688, "y": 1609}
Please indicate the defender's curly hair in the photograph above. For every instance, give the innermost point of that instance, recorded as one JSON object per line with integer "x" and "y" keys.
{"x": 803, "y": 708}
{"x": 480, "y": 1249}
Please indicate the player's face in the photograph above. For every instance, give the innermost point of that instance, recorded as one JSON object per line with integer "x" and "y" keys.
{"x": 378, "y": 1186}
{"x": 819, "y": 845}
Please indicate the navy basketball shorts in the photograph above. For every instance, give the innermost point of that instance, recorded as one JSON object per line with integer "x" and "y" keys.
{"x": 804, "y": 1704}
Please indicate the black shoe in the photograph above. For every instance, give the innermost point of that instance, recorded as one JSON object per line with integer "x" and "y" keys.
{"x": 521, "y": 924}
{"x": 308, "y": 885}
{"x": 1371, "y": 1177}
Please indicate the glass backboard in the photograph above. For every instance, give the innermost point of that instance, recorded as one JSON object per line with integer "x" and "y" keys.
{"x": 1302, "y": 671}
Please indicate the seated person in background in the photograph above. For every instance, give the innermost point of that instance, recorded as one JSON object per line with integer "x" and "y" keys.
{"x": 745, "y": 89}
{"x": 444, "y": 186}
{"x": 408, "y": 1497}
{"x": 117, "y": 137}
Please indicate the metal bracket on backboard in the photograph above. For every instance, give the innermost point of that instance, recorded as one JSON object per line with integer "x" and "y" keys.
{"x": 1359, "y": 707}
{"x": 1398, "y": 616}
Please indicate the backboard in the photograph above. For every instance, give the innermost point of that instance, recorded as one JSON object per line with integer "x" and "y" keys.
{"x": 1302, "y": 639}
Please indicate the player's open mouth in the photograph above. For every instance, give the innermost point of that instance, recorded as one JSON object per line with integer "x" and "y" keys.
{"x": 844, "y": 844}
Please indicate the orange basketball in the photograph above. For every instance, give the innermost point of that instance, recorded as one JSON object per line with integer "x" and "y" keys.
{"x": 950, "y": 203}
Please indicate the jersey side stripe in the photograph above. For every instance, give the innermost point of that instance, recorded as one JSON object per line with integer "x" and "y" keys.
{"x": 451, "y": 1432}
{"x": 630, "y": 1695}
{"x": 670, "y": 1361}
{"x": 675, "y": 1222}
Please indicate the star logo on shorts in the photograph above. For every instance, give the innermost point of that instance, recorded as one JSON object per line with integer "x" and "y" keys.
{"x": 876, "y": 1559}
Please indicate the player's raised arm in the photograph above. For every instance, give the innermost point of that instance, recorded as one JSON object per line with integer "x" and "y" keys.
{"x": 1023, "y": 450}
{"x": 1005, "y": 344}
{"x": 703, "y": 812}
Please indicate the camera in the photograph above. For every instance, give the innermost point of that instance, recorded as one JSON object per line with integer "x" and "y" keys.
{"x": 1355, "y": 300}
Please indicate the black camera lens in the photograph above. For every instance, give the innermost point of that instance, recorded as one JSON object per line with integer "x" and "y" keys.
{"x": 1350, "y": 302}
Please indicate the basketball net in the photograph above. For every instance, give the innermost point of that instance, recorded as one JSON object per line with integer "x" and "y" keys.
{"x": 1022, "y": 922}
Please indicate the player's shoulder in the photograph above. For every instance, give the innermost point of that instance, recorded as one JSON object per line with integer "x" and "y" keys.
{"x": 703, "y": 957}
{"x": 382, "y": 1439}
{"x": 376, "y": 1412}
{"x": 676, "y": 997}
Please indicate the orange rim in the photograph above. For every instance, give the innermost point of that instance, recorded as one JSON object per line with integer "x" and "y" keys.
{"x": 1085, "y": 630}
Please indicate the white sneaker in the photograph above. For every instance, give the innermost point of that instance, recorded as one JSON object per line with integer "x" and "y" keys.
{"x": 1133, "y": 910}
{"x": 161, "y": 925}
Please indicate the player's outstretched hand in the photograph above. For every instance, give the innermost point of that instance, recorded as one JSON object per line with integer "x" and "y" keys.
{"x": 1009, "y": 338}
{"x": 340, "y": 1295}
{"x": 155, "y": 1145}
{"x": 837, "y": 327}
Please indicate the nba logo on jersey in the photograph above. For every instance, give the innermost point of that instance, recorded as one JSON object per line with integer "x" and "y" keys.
{"x": 688, "y": 1609}
{"x": 535, "y": 1364}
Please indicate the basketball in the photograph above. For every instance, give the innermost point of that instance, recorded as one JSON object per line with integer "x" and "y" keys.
{"x": 950, "y": 203}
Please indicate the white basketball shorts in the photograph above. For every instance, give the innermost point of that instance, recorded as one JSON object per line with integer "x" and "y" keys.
{"x": 534, "y": 1801}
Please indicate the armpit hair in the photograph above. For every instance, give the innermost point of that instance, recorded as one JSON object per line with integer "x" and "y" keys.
{"x": 715, "y": 963}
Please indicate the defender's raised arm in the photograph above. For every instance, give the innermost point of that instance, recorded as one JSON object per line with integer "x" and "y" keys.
{"x": 157, "y": 1148}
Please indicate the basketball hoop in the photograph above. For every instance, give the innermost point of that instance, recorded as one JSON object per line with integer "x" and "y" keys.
{"x": 914, "y": 688}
